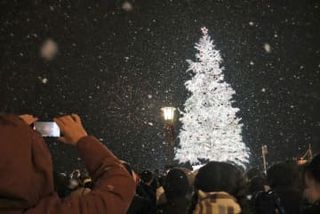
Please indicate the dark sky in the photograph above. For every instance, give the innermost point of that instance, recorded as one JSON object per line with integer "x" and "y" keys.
{"x": 117, "y": 68}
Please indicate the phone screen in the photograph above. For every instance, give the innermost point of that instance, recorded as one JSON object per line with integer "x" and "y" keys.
{"x": 47, "y": 129}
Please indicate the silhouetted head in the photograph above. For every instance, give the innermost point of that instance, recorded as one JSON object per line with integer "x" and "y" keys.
{"x": 220, "y": 176}
{"x": 284, "y": 174}
{"x": 178, "y": 183}
{"x": 146, "y": 176}
{"x": 312, "y": 180}
{"x": 313, "y": 168}
{"x": 253, "y": 172}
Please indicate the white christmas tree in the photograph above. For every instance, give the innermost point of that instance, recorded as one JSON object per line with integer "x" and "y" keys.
{"x": 210, "y": 129}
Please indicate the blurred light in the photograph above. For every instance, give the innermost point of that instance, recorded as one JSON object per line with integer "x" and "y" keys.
{"x": 49, "y": 49}
{"x": 267, "y": 48}
{"x": 127, "y": 6}
{"x": 168, "y": 113}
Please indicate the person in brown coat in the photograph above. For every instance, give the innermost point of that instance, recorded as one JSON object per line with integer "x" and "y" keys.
{"x": 26, "y": 175}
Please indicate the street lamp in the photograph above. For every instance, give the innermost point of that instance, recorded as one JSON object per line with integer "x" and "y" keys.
{"x": 169, "y": 131}
{"x": 168, "y": 113}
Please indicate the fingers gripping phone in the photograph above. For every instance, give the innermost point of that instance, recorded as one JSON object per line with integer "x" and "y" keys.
{"x": 47, "y": 129}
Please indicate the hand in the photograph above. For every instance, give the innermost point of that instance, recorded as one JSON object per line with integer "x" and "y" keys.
{"x": 28, "y": 118}
{"x": 71, "y": 128}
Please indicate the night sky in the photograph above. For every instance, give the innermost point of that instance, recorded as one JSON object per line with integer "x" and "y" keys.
{"x": 119, "y": 62}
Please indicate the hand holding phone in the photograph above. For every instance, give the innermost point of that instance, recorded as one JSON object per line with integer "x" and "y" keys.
{"x": 71, "y": 128}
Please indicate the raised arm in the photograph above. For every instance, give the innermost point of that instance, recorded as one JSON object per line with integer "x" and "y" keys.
{"x": 114, "y": 187}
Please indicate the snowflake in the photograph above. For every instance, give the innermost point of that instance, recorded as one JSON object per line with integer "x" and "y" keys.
{"x": 49, "y": 49}
{"x": 267, "y": 48}
{"x": 44, "y": 80}
{"x": 127, "y": 6}
{"x": 127, "y": 104}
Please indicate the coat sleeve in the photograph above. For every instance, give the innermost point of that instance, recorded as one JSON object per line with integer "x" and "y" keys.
{"x": 114, "y": 187}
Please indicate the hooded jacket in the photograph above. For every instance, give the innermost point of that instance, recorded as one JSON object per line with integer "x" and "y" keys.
{"x": 26, "y": 175}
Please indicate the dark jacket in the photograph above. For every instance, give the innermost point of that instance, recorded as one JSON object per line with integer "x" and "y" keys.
{"x": 313, "y": 209}
{"x": 268, "y": 203}
{"x": 291, "y": 199}
{"x": 176, "y": 206}
{"x": 26, "y": 180}
{"x": 148, "y": 193}
{"x": 140, "y": 205}
{"x": 285, "y": 200}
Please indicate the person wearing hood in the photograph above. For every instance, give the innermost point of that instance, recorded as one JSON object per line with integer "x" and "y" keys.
{"x": 26, "y": 171}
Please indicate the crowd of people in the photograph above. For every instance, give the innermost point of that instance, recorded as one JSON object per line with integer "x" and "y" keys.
{"x": 28, "y": 183}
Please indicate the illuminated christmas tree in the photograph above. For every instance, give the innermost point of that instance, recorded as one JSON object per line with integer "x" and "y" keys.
{"x": 210, "y": 129}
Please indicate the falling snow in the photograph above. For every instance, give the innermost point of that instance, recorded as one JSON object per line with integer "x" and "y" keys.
{"x": 267, "y": 48}
{"x": 49, "y": 49}
{"x": 44, "y": 80}
{"x": 127, "y": 6}
{"x": 117, "y": 64}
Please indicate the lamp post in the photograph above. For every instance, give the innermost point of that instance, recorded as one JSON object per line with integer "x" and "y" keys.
{"x": 169, "y": 131}
{"x": 264, "y": 151}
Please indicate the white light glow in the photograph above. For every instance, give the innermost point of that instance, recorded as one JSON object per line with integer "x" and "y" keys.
{"x": 168, "y": 113}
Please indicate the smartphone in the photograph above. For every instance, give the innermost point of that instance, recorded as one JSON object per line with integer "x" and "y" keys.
{"x": 47, "y": 129}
